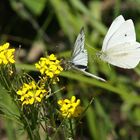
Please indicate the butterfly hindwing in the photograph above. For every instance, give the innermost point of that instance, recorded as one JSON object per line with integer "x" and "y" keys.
{"x": 125, "y": 55}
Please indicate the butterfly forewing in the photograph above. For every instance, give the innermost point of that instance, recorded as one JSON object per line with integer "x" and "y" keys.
{"x": 114, "y": 26}
{"x": 125, "y": 34}
{"x": 79, "y": 55}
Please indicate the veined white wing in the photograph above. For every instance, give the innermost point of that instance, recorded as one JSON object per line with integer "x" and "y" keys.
{"x": 79, "y": 43}
{"x": 79, "y": 55}
{"x": 114, "y": 26}
{"x": 126, "y": 55}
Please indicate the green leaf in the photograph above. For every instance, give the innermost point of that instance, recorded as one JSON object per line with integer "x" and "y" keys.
{"x": 69, "y": 22}
{"x": 7, "y": 106}
{"x": 35, "y": 6}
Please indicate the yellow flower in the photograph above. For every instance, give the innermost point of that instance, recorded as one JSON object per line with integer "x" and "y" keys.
{"x": 49, "y": 67}
{"x": 52, "y": 57}
{"x": 6, "y": 54}
{"x": 31, "y": 93}
{"x": 70, "y": 108}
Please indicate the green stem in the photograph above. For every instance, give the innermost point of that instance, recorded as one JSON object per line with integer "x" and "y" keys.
{"x": 4, "y": 82}
{"x": 71, "y": 129}
{"x": 44, "y": 114}
{"x": 47, "y": 137}
{"x": 58, "y": 129}
{"x": 29, "y": 131}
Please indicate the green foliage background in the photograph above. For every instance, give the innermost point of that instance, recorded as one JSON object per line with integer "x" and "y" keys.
{"x": 115, "y": 112}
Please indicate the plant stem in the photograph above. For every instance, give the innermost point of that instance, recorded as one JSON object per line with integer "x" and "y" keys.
{"x": 29, "y": 131}
{"x": 71, "y": 129}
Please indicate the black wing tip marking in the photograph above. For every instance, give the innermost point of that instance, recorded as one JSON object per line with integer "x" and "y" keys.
{"x": 81, "y": 66}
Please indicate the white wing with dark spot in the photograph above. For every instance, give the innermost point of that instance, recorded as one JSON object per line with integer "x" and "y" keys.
{"x": 125, "y": 34}
{"x": 120, "y": 47}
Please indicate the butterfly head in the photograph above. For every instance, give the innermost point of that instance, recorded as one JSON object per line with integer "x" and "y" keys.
{"x": 66, "y": 64}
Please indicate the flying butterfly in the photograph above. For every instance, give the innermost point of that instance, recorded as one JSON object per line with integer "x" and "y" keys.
{"x": 120, "y": 47}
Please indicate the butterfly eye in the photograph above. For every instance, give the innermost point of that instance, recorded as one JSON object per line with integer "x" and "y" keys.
{"x": 125, "y": 35}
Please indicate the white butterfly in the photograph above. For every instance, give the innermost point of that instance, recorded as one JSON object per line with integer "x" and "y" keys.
{"x": 79, "y": 58}
{"x": 119, "y": 46}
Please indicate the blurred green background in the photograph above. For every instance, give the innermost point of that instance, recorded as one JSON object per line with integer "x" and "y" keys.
{"x": 37, "y": 26}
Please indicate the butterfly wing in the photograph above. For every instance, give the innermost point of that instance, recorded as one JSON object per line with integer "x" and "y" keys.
{"x": 114, "y": 26}
{"x": 125, "y": 34}
{"x": 126, "y": 55}
{"x": 79, "y": 55}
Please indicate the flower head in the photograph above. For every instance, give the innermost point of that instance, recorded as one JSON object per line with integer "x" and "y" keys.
{"x": 6, "y": 54}
{"x": 31, "y": 93}
{"x": 49, "y": 67}
{"x": 70, "y": 108}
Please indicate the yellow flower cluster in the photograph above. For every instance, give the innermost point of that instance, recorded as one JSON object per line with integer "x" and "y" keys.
{"x": 70, "y": 108}
{"x": 49, "y": 66}
{"x": 31, "y": 93}
{"x": 6, "y": 54}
